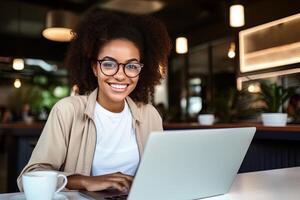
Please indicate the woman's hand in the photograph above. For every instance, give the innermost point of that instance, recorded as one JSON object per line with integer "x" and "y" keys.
{"x": 119, "y": 181}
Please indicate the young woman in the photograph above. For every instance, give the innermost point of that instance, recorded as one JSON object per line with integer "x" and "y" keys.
{"x": 98, "y": 137}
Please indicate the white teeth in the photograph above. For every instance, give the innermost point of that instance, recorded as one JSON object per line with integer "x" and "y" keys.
{"x": 118, "y": 86}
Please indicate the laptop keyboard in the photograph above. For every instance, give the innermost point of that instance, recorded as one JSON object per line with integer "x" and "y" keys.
{"x": 117, "y": 197}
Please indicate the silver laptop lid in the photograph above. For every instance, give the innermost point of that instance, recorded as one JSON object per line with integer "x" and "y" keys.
{"x": 190, "y": 164}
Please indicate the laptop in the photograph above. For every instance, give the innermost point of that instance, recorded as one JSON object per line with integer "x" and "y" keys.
{"x": 186, "y": 164}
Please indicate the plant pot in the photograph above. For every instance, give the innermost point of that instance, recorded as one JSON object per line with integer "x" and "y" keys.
{"x": 206, "y": 119}
{"x": 274, "y": 119}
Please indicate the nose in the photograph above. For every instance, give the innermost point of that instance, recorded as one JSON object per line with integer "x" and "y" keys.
{"x": 120, "y": 75}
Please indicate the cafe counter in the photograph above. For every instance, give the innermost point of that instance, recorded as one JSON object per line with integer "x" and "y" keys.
{"x": 289, "y": 132}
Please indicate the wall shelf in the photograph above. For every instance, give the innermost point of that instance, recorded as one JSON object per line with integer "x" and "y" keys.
{"x": 270, "y": 45}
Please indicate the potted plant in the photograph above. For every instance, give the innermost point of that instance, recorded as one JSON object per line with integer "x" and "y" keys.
{"x": 206, "y": 116}
{"x": 274, "y": 96}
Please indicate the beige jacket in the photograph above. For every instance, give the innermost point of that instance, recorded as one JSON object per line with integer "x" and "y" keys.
{"x": 68, "y": 140}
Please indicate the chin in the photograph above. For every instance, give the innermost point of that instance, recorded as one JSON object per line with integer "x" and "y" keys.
{"x": 118, "y": 98}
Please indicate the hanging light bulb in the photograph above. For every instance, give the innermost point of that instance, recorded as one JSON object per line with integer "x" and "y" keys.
{"x": 237, "y": 16}
{"x": 231, "y": 50}
{"x": 17, "y": 83}
{"x": 181, "y": 45}
{"x": 254, "y": 88}
{"x": 18, "y": 64}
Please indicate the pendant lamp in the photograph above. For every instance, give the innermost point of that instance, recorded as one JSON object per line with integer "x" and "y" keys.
{"x": 181, "y": 45}
{"x": 18, "y": 62}
{"x": 59, "y": 24}
{"x": 237, "y": 15}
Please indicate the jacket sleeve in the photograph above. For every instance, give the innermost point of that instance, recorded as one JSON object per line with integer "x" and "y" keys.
{"x": 51, "y": 149}
{"x": 156, "y": 123}
{"x": 152, "y": 119}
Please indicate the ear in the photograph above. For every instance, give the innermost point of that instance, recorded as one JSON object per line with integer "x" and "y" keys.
{"x": 94, "y": 68}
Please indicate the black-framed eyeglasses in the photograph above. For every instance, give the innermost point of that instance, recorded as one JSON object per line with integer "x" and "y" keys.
{"x": 111, "y": 67}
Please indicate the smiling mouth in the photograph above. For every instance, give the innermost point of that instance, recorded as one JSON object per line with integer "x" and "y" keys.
{"x": 118, "y": 86}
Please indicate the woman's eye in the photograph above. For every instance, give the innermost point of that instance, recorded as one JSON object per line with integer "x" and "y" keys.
{"x": 109, "y": 64}
{"x": 132, "y": 66}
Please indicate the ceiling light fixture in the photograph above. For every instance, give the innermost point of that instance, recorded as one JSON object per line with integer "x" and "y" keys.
{"x": 231, "y": 50}
{"x": 17, "y": 83}
{"x": 181, "y": 45}
{"x": 254, "y": 88}
{"x": 18, "y": 64}
{"x": 237, "y": 16}
{"x": 59, "y": 24}
{"x": 133, "y": 6}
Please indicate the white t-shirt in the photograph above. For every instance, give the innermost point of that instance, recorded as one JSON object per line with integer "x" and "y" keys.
{"x": 116, "y": 148}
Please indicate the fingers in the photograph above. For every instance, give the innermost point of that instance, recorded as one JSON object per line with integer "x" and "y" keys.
{"x": 106, "y": 185}
{"x": 119, "y": 174}
{"x": 123, "y": 181}
{"x": 119, "y": 186}
{"x": 119, "y": 181}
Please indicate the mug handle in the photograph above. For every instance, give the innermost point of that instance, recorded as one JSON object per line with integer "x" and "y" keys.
{"x": 64, "y": 183}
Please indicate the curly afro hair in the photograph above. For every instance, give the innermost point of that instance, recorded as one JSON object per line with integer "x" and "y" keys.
{"x": 99, "y": 27}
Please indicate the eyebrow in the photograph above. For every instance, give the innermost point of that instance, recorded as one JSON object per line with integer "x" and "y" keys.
{"x": 111, "y": 58}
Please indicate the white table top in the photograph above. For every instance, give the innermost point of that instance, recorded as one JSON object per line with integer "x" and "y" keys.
{"x": 280, "y": 184}
{"x": 20, "y": 196}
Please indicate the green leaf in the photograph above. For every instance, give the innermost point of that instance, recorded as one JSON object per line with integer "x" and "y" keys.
{"x": 275, "y": 96}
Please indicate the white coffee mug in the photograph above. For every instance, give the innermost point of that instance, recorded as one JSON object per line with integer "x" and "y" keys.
{"x": 39, "y": 185}
{"x": 206, "y": 119}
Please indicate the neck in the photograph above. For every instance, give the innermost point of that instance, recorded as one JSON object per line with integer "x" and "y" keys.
{"x": 111, "y": 106}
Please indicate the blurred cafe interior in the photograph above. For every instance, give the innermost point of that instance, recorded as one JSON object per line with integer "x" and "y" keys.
{"x": 233, "y": 67}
